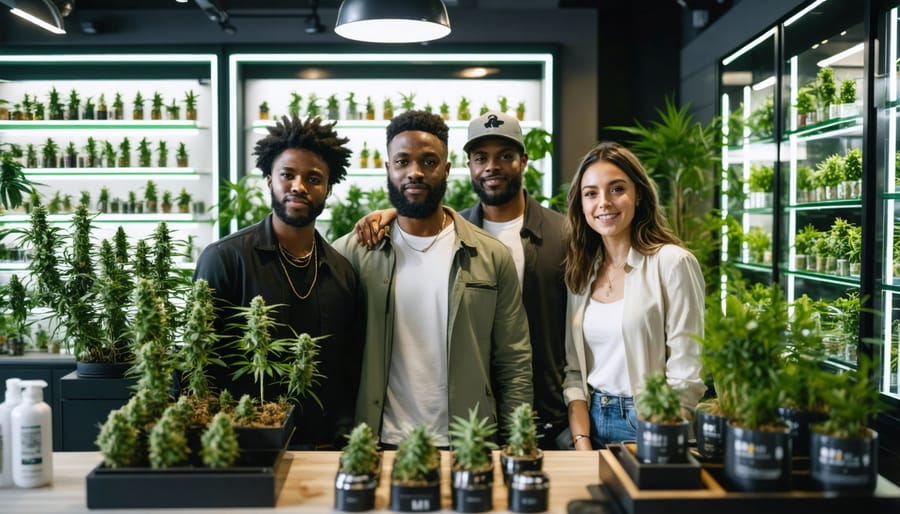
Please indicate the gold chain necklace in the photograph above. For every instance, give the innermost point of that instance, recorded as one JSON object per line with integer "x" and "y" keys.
{"x": 436, "y": 236}
{"x": 610, "y": 276}
{"x": 297, "y": 262}
{"x": 315, "y": 258}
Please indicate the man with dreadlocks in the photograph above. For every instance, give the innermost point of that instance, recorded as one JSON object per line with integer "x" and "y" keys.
{"x": 286, "y": 261}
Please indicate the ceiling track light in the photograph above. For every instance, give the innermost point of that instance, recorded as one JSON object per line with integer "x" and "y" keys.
{"x": 392, "y": 21}
{"x": 47, "y": 14}
{"x": 216, "y": 15}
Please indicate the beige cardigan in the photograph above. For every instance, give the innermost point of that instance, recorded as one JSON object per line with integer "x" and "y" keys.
{"x": 664, "y": 307}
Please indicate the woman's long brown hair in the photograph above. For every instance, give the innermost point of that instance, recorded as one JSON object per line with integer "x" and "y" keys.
{"x": 649, "y": 229}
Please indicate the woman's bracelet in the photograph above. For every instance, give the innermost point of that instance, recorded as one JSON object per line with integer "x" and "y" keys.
{"x": 578, "y": 437}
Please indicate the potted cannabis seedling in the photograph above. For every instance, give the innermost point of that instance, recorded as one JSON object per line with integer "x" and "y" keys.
{"x": 503, "y": 103}
{"x": 190, "y": 105}
{"x": 387, "y": 108}
{"x": 102, "y": 109}
{"x": 181, "y": 156}
{"x": 92, "y": 151}
{"x": 408, "y": 101}
{"x": 370, "y": 108}
{"x": 520, "y": 111}
{"x": 806, "y": 106}
{"x": 358, "y": 474}
{"x": 844, "y": 450}
{"x": 118, "y": 107}
{"x": 137, "y": 112}
{"x": 853, "y": 171}
{"x": 184, "y": 201}
{"x": 333, "y": 107}
{"x": 462, "y": 110}
{"x": 760, "y": 184}
{"x": 416, "y": 475}
{"x": 71, "y": 158}
{"x": 521, "y": 452}
{"x": 662, "y": 434}
{"x": 55, "y": 106}
{"x": 162, "y": 152}
{"x": 472, "y": 469}
{"x": 264, "y": 111}
{"x": 220, "y": 444}
{"x": 312, "y": 106}
{"x": 805, "y": 247}
{"x": 826, "y": 92}
{"x": 109, "y": 154}
{"x": 49, "y": 152}
{"x": 89, "y": 107}
{"x": 124, "y": 153}
{"x": 352, "y": 106}
{"x": 74, "y": 105}
{"x": 174, "y": 110}
{"x": 364, "y": 156}
{"x": 156, "y": 106}
{"x": 165, "y": 205}
{"x": 145, "y": 156}
{"x": 295, "y": 104}
{"x": 376, "y": 159}
{"x": 445, "y": 111}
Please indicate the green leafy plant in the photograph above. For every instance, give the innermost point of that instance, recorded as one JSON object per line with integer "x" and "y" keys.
{"x": 332, "y": 105}
{"x": 258, "y": 351}
{"x": 762, "y": 119}
{"x": 109, "y": 154}
{"x": 294, "y": 105}
{"x": 50, "y": 151}
{"x": 840, "y": 235}
{"x": 114, "y": 292}
{"x": 312, "y": 105}
{"x": 242, "y": 201}
{"x": 805, "y": 241}
{"x": 118, "y": 107}
{"x": 162, "y": 152}
{"x": 762, "y": 178}
{"x": 825, "y": 87}
{"x": 471, "y": 441}
{"x": 125, "y": 153}
{"x": 387, "y": 108}
{"x": 459, "y": 194}
{"x": 138, "y": 104}
{"x": 521, "y": 432}
{"x": 190, "y": 105}
{"x": 804, "y": 382}
{"x": 831, "y": 170}
{"x": 805, "y": 100}
{"x": 853, "y": 165}
{"x": 167, "y": 441}
{"x": 174, "y": 110}
{"x": 352, "y": 106}
{"x": 13, "y": 181}
{"x": 89, "y": 107}
{"x": 79, "y": 303}
{"x": 853, "y": 401}
{"x": 462, "y": 109}
{"x": 416, "y": 458}
{"x": 197, "y": 353}
{"x": 758, "y": 241}
{"x": 303, "y": 373}
{"x": 118, "y": 440}
{"x": 408, "y": 101}
{"x": 74, "y": 104}
{"x": 345, "y": 213}
{"x": 805, "y": 178}
{"x": 658, "y": 402}
{"x": 144, "y": 154}
{"x": 220, "y": 444}
{"x": 360, "y": 455}
{"x": 848, "y": 91}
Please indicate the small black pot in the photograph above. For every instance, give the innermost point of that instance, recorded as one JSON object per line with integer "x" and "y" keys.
{"x": 510, "y": 465}
{"x": 844, "y": 464}
{"x": 528, "y": 492}
{"x": 798, "y": 421}
{"x": 659, "y": 443}
{"x": 757, "y": 460}
{"x": 101, "y": 369}
{"x": 472, "y": 491}
{"x": 355, "y": 493}
{"x": 711, "y": 435}
{"x": 417, "y": 498}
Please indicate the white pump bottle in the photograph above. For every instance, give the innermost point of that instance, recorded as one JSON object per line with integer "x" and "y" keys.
{"x": 32, "y": 438}
{"x": 13, "y": 397}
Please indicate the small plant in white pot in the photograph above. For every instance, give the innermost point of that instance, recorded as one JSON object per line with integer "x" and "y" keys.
{"x": 662, "y": 434}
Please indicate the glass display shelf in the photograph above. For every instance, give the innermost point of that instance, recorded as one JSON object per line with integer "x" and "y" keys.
{"x": 118, "y": 218}
{"x": 828, "y": 128}
{"x": 825, "y": 278}
{"x": 261, "y": 125}
{"x": 827, "y": 204}
{"x": 752, "y": 266}
{"x": 129, "y": 173}
{"x": 186, "y": 127}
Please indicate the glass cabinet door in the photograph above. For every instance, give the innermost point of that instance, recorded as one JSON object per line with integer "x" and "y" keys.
{"x": 747, "y": 86}
{"x": 823, "y": 80}
{"x": 887, "y": 106}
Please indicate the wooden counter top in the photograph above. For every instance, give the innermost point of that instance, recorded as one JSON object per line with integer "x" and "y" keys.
{"x": 309, "y": 487}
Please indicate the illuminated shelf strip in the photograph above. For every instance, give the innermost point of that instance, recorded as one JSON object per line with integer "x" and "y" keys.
{"x": 7, "y": 126}
{"x": 116, "y": 218}
{"x": 834, "y": 204}
{"x": 762, "y": 268}
{"x": 828, "y": 128}
{"x": 77, "y": 173}
{"x": 822, "y": 277}
{"x": 262, "y": 125}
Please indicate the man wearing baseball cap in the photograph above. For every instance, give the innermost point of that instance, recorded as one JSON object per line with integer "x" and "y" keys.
{"x": 497, "y": 162}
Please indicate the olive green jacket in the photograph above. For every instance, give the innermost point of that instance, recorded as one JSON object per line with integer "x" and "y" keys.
{"x": 488, "y": 349}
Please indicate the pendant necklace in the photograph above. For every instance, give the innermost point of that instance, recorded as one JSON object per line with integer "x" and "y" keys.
{"x": 436, "y": 236}
{"x": 312, "y": 255}
{"x": 610, "y": 277}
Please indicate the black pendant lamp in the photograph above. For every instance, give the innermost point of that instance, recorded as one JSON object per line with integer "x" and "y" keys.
{"x": 392, "y": 21}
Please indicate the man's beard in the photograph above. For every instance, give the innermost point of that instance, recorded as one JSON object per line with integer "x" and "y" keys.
{"x": 512, "y": 189}
{"x": 417, "y": 210}
{"x": 297, "y": 221}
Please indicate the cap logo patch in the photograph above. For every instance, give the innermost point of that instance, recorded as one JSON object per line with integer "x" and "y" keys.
{"x": 493, "y": 122}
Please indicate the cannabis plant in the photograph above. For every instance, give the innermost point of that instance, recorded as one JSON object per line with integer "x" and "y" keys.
{"x": 167, "y": 441}
{"x": 152, "y": 364}
{"x": 303, "y": 373}
{"x": 471, "y": 439}
{"x": 197, "y": 352}
{"x": 245, "y": 410}
{"x": 658, "y": 402}
{"x": 220, "y": 445}
{"x": 853, "y": 402}
{"x": 79, "y": 303}
{"x": 44, "y": 239}
{"x": 258, "y": 351}
{"x": 114, "y": 292}
{"x": 360, "y": 456}
{"x": 521, "y": 432}
{"x": 13, "y": 182}
{"x": 416, "y": 458}
{"x": 118, "y": 440}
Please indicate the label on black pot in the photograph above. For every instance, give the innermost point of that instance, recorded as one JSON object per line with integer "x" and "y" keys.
{"x": 758, "y": 461}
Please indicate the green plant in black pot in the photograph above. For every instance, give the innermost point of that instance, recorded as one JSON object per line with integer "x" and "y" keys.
{"x": 167, "y": 441}
{"x": 415, "y": 477}
{"x": 521, "y": 452}
{"x": 844, "y": 450}
{"x": 358, "y": 474}
{"x": 472, "y": 472}
{"x": 662, "y": 433}
{"x": 118, "y": 440}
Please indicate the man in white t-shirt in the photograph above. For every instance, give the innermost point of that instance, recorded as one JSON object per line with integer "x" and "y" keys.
{"x": 446, "y": 329}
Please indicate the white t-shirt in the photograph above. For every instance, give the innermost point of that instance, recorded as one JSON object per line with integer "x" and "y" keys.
{"x": 417, "y": 387}
{"x": 508, "y": 232}
{"x": 603, "y": 333}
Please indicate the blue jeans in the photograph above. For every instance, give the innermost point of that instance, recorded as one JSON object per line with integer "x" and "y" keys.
{"x": 613, "y": 419}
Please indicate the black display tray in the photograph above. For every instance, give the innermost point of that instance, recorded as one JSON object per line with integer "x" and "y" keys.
{"x": 255, "y": 481}
{"x": 658, "y": 476}
{"x": 715, "y": 498}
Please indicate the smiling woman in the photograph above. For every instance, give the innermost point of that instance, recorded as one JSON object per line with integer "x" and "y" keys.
{"x": 636, "y": 297}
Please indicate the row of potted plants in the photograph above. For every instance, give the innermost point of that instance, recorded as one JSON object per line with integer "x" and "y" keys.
{"x": 101, "y": 154}
{"x": 838, "y": 177}
{"x": 416, "y": 477}
{"x": 311, "y": 106}
{"x": 820, "y": 100}
{"x": 774, "y": 401}
{"x": 30, "y": 108}
{"x": 837, "y": 251}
